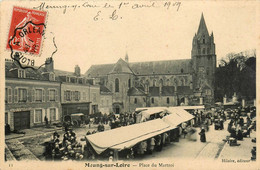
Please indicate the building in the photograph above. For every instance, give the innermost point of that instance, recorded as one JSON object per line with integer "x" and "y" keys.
{"x": 78, "y": 94}
{"x": 105, "y": 105}
{"x": 162, "y": 83}
{"x": 33, "y": 94}
{"x": 30, "y": 96}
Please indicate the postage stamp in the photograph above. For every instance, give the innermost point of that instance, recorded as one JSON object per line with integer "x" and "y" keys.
{"x": 26, "y": 30}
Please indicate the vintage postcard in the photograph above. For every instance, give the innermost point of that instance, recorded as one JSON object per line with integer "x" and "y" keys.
{"x": 129, "y": 84}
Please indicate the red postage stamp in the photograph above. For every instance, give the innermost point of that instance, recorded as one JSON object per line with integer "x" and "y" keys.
{"x": 26, "y": 30}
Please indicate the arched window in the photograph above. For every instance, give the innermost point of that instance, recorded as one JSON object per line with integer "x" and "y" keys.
{"x": 168, "y": 100}
{"x": 153, "y": 100}
{"x": 116, "y": 85}
{"x": 129, "y": 83}
{"x": 161, "y": 82}
{"x": 154, "y": 82}
{"x": 135, "y": 100}
{"x": 182, "y": 70}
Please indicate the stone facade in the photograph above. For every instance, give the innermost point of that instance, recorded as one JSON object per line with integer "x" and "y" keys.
{"x": 29, "y": 100}
{"x": 166, "y": 83}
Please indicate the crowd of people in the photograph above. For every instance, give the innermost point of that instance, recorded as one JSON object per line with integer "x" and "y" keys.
{"x": 70, "y": 149}
{"x": 67, "y": 149}
{"x": 241, "y": 124}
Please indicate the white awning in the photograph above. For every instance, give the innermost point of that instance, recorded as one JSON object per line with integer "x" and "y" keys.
{"x": 180, "y": 112}
{"x": 127, "y": 136}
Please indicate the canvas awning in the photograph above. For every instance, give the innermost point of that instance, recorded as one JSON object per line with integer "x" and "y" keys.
{"x": 146, "y": 112}
{"x": 77, "y": 114}
{"x": 127, "y": 136}
{"x": 180, "y": 112}
{"x": 190, "y": 107}
{"x": 173, "y": 119}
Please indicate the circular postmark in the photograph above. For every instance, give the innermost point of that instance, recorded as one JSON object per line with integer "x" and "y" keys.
{"x": 26, "y": 34}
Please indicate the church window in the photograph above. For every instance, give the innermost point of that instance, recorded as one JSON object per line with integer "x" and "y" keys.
{"x": 161, "y": 82}
{"x": 129, "y": 83}
{"x": 168, "y": 100}
{"x": 116, "y": 85}
{"x": 204, "y": 51}
{"x": 153, "y": 100}
{"x": 154, "y": 82}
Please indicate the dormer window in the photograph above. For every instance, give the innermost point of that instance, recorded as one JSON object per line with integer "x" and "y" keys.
{"x": 51, "y": 77}
{"x": 68, "y": 79}
{"x": 21, "y": 73}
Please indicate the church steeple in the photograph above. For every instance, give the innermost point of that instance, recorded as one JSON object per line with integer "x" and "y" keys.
{"x": 126, "y": 58}
{"x": 202, "y": 30}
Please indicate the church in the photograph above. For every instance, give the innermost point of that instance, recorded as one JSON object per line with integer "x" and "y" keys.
{"x": 162, "y": 83}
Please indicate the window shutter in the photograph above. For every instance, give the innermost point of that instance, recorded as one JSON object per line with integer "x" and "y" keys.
{"x": 33, "y": 94}
{"x": 27, "y": 95}
{"x": 56, "y": 95}
{"x": 9, "y": 95}
{"x": 43, "y": 95}
{"x": 48, "y": 95}
{"x": 15, "y": 95}
{"x": 65, "y": 96}
{"x": 57, "y": 113}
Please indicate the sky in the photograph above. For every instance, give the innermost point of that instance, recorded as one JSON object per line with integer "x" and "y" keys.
{"x": 146, "y": 34}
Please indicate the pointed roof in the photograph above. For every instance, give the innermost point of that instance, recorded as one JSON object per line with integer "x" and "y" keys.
{"x": 121, "y": 67}
{"x": 202, "y": 30}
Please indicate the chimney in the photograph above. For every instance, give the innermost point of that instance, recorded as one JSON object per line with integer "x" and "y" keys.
{"x": 49, "y": 64}
{"x": 77, "y": 71}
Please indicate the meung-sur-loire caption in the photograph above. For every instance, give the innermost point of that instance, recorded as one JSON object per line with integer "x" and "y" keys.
{"x": 144, "y": 165}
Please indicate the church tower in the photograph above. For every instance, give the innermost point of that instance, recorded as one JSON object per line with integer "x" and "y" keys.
{"x": 203, "y": 62}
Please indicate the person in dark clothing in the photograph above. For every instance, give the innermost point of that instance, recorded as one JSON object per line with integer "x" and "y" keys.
{"x": 7, "y": 129}
{"x": 46, "y": 120}
{"x": 239, "y": 135}
{"x": 233, "y": 133}
{"x": 202, "y": 135}
{"x": 221, "y": 124}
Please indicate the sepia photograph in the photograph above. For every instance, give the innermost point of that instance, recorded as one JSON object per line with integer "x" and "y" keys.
{"x": 129, "y": 84}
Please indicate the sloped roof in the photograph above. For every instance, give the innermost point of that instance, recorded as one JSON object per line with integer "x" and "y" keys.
{"x": 167, "y": 90}
{"x": 154, "y": 91}
{"x": 184, "y": 90}
{"x": 11, "y": 72}
{"x": 183, "y": 66}
{"x": 104, "y": 89}
{"x": 134, "y": 91}
{"x": 202, "y": 30}
{"x": 121, "y": 67}
{"x": 99, "y": 70}
{"x": 162, "y": 67}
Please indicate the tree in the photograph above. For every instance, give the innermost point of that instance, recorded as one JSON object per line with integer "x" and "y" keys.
{"x": 236, "y": 73}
